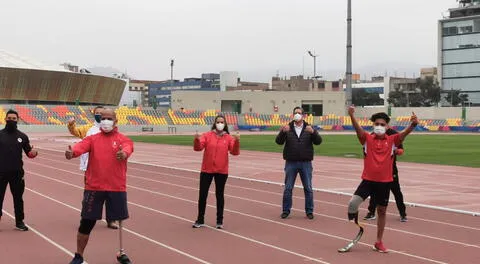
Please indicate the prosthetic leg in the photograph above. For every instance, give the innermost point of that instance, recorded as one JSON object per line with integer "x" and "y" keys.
{"x": 353, "y": 206}
{"x": 122, "y": 258}
{"x": 356, "y": 239}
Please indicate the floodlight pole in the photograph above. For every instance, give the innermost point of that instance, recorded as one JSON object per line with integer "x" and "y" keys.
{"x": 348, "y": 73}
{"x": 171, "y": 71}
{"x": 314, "y": 64}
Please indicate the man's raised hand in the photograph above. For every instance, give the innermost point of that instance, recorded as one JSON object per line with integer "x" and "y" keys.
{"x": 33, "y": 151}
{"x": 121, "y": 155}
{"x": 414, "y": 119}
{"x": 309, "y": 129}
{"x": 351, "y": 110}
{"x": 69, "y": 153}
{"x": 71, "y": 121}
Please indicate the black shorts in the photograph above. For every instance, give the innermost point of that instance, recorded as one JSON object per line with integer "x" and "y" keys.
{"x": 115, "y": 205}
{"x": 379, "y": 191}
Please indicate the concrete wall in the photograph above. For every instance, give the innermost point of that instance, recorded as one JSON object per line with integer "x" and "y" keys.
{"x": 124, "y": 129}
{"x": 472, "y": 113}
{"x": 260, "y": 102}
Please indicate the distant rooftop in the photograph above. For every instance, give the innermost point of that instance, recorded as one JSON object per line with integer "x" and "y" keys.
{"x": 10, "y": 60}
{"x": 466, "y": 8}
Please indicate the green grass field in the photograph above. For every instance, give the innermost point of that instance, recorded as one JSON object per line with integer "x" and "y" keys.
{"x": 460, "y": 150}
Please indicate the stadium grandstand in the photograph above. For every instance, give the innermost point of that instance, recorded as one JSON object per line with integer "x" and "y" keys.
{"x": 25, "y": 81}
{"x": 137, "y": 116}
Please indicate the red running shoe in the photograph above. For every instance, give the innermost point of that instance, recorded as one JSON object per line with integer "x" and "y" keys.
{"x": 380, "y": 247}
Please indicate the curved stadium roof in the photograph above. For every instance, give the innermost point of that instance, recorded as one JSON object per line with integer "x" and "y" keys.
{"x": 10, "y": 60}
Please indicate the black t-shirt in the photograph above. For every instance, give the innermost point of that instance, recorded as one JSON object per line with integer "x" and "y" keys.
{"x": 11, "y": 146}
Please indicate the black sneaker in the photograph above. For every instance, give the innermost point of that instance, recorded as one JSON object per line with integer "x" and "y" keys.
{"x": 21, "y": 226}
{"x": 78, "y": 259}
{"x": 370, "y": 216}
{"x": 123, "y": 259}
{"x": 198, "y": 224}
{"x": 112, "y": 225}
{"x": 403, "y": 218}
{"x": 284, "y": 215}
{"x": 310, "y": 216}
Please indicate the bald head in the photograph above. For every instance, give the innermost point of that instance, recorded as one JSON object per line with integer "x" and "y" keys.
{"x": 109, "y": 120}
{"x": 109, "y": 114}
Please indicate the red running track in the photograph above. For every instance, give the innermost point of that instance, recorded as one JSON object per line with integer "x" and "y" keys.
{"x": 422, "y": 184}
{"x": 162, "y": 204}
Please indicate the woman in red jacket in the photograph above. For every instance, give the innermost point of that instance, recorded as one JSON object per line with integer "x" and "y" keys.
{"x": 217, "y": 144}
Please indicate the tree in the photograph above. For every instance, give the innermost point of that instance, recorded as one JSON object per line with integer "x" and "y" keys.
{"x": 455, "y": 98}
{"x": 153, "y": 102}
{"x": 426, "y": 93}
{"x": 429, "y": 90}
{"x": 397, "y": 98}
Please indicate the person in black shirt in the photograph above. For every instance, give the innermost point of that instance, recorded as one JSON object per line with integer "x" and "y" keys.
{"x": 12, "y": 143}
{"x": 394, "y": 187}
{"x": 299, "y": 138}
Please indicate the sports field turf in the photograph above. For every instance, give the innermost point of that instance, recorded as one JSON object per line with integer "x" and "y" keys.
{"x": 460, "y": 150}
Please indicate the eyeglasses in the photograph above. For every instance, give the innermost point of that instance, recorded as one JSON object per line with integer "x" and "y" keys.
{"x": 380, "y": 124}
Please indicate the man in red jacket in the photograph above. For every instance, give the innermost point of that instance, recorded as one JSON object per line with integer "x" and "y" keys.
{"x": 105, "y": 178}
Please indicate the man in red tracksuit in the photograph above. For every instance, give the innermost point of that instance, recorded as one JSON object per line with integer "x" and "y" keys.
{"x": 105, "y": 178}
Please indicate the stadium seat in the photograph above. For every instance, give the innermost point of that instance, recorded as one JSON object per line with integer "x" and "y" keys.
{"x": 3, "y": 112}
{"x": 61, "y": 114}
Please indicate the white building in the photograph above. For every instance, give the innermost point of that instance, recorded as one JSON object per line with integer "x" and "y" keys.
{"x": 130, "y": 97}
{"x": 459, "y": 50}
{"x": 228, "y": 79}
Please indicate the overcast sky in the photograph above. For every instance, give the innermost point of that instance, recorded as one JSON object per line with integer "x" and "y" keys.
{"x": 257, "y": 38}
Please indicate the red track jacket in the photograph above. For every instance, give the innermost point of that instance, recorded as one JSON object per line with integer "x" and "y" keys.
{"x": 217, "y": 147}
{"x": 105, "y": 172}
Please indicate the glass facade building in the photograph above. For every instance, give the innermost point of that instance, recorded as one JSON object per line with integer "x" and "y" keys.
{"x": 459, "y": 51}
{"x": 162, "y": 92}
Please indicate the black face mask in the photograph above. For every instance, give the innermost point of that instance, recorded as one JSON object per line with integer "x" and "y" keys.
{"x": 11, "y": 125}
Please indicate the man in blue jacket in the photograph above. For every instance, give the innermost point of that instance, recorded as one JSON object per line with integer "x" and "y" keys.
{"x": 299, "y": 138}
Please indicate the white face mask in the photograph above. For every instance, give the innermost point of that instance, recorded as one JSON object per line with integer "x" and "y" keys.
{"x": 297, "y": 117}
{"x": 106, "y": 125}
{"x": 379, "y": 130}
{"x": 220, "y": 126}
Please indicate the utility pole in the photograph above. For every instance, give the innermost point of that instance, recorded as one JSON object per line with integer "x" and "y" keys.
{"x": 451, "y": 97}
{"x": 171, "y": 72}
{"x": 314, "y": 56}
{"x": 348, "y": 72}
